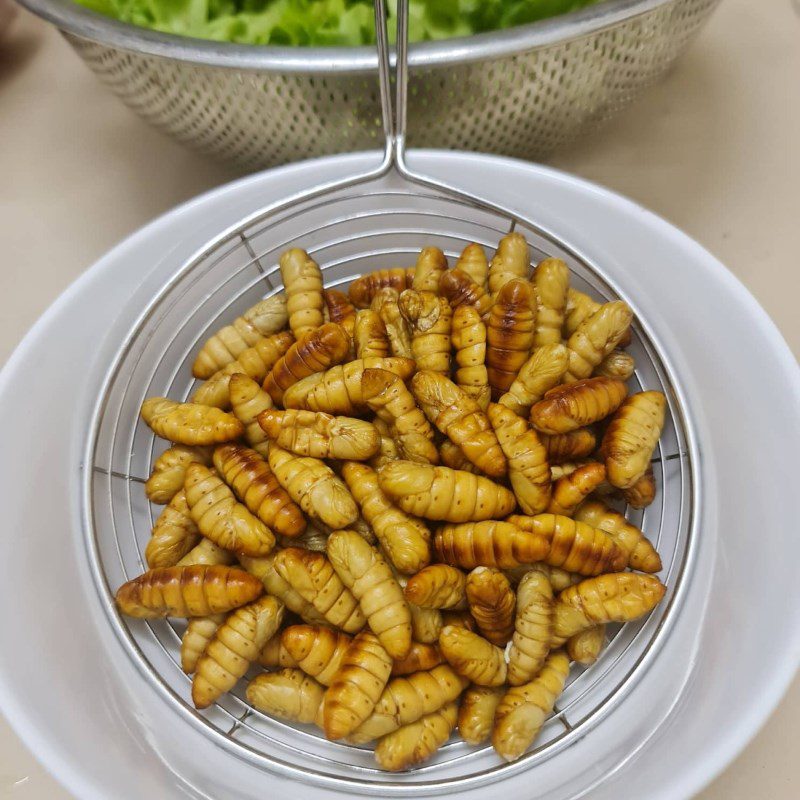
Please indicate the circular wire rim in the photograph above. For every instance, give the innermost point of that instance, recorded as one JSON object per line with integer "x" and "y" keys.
{"x": 352, "y": 784}
{"x": 85, "y": 24}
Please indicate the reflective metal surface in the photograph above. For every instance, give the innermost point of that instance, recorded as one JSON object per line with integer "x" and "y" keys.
{"x": 519, "y": 92}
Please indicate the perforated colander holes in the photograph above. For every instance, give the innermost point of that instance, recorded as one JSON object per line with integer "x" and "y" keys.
{"x": 262, "y": 119}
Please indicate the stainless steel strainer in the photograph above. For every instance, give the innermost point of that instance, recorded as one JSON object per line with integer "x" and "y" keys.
{"x": 378, "y": 218}
{"x": 519, "y": 92}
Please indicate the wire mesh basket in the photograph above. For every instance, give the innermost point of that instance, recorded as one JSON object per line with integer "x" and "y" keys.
{"x": 383, "y": 225}
{"x": 371, "y": 219}
{"x": 520, "y": 92}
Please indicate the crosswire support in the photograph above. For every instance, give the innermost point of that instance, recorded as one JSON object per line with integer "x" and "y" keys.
{"x": 238, "y": 723}
{"x": 114, "y": 474}
{"x": 256, "y": 260}
{"x": 670, "y": 457}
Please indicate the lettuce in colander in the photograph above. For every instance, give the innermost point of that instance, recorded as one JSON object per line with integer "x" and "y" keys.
{"x": 324, "y": 22}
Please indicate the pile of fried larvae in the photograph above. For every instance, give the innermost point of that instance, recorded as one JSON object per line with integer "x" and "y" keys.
{"x": 395, "y": 500}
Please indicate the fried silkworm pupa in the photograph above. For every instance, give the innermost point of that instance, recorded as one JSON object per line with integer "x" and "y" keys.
{"x": 263, "y": 319}
{"x": 221, "y": 518}
{"x": 488, "y": 544}
{"x": 524, "y": 709}
{"x": 533, "y": 627}
{"x": 316, "y": 649}
{"x": 540, "y": 373}
{"x": 405, "y": 700}
{"x": 196, "y": 591}
{"x": 302, "y": 280}
{"x": 320, "y": 435}
{"x": 468, "y": 336}
{"x": 169, "y": 471}
{"x": 254, "y": 483}
{"x": 255, "y": 362}
{"x": 199, "y": 632}
{"x": 421, "y": 658}
{"x": 461, "y": 290}
{"x": 617, "y": 364}
{"x": 426, "y": 624}
{"x": 638, "y": 550}
{"x": 472, "y": 656}
{"x": 437, "y": 586}
{"x": 509, "y": 334}
{"x": 584, "y": 647}
{"x": 576, "y": 405}
{"x": 315, "y": 351}
{"x": 387, "y": 395}
{"x": 642, "y": 493}
{"x": 492, "y": 603}
{"x": 430, "y": 319}
{"x": 511, "y": 261}
{"x": 551, "y": 281}
{"x": 314, "y": 486}
{"x": 190, "y": 423}
{"x": 631, "y": 437}
{"x": 616, "y": 597}
{"x": 571, "y": 446}
{"x": 234, "y": 646}
{"x": 476, "y": 713}
{"x": 340, "y": 310}
{"x": 338, "y": 390}
{"x": 363, "y": 289}
{"x": 404, "y": 539}
{"x": 574, "y": 546}
{"x": 528, "y": 469}
{"x": 387, "y": 305}
{"x": 357, "y": 686}
{"x": 596, "y": 337}
{"x": 312, "y": 576}
{"x": 275, "y": 656}
{"x": 431, "y": 265}
{"x": 461, "y": 419}
{"x": 288, "y": 694}
{"x": 473, "y": 262}
{"x": 571, "y": 490}
{"x": 441, "y": 493}
{"x": 264, "y": 570}
{"x": 363, "y": 570}
{"x": 417, "y": 742}
{"x": 174, "y": 534}
{"x": 248, "y": 400}
{"x": 371, "y": 339}
{"x": 207, "y": 554}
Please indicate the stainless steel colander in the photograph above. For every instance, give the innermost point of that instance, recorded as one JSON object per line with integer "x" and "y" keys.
{"x": 519, "y": 92}
{"x": 378, "y": 217}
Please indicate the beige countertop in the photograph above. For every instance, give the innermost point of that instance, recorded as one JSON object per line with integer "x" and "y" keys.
{"x": 715, "y": 148}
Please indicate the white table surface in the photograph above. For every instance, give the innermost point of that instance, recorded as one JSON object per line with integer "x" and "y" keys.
{"x": 715, "y": 148}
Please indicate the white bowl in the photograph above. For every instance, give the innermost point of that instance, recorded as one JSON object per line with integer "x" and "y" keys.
{"x": 84, "y": 706}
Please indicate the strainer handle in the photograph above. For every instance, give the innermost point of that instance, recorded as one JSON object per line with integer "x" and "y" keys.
{"x": 394, "y": 122}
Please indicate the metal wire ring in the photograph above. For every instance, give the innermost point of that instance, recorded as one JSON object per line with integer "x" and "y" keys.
{"x": 381, "y": 226}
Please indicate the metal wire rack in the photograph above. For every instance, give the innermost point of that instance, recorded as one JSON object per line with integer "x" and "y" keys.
{"x": 378, "y": 218}
{"x": 380, "y": 227}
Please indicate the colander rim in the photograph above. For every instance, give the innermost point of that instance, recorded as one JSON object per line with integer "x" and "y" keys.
{"x": 85, "y": 24}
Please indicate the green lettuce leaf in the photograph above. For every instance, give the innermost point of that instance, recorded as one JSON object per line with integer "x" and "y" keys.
{"x": 345, "y": 23}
